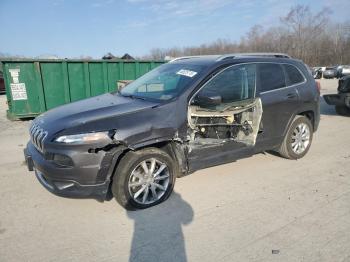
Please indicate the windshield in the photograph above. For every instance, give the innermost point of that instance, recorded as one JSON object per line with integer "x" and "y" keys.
{"x": 164, "y": 82}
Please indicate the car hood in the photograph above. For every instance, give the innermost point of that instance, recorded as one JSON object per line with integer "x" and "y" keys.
{"x": 92, "y": 110}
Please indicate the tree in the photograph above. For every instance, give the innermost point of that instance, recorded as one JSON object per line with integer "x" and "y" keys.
{"x": 300, "y": 33}
{"x": 304, "y": 28}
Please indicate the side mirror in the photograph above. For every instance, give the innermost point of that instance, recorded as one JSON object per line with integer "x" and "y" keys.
{"x": 207, "y": 98}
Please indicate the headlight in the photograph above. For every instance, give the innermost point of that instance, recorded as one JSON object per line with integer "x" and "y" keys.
{"x": 83, "y": 138}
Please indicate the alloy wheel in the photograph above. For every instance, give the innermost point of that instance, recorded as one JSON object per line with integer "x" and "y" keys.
{"x": 149, "y": 181}
{"x": 300, "y": 138}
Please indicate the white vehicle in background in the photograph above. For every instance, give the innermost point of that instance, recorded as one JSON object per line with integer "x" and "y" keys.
{"x": 345, "y": 71}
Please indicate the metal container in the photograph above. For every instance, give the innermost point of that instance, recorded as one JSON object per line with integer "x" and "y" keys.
{"x": 35, "y": 86}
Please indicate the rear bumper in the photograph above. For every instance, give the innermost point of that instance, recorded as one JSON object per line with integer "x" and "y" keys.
{"x": 317, "y": 118}
{"x": 328, "y": 76}
{"x": 86, "y": 181}
{"x": 338, "y": 99}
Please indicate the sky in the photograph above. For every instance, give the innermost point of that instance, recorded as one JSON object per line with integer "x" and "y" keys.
{"x": 71, "y": 28}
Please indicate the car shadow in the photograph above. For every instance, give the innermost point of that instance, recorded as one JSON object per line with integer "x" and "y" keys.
{"x": 158, "y": 234}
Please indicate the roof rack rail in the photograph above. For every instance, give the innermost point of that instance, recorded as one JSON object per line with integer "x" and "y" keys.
{"x": 182, "y": 58}
{"x": 194, "y": 56}
{"x": 237, "y": 55}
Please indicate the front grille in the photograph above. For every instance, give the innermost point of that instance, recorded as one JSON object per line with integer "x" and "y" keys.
{"x": 37, "y": 136}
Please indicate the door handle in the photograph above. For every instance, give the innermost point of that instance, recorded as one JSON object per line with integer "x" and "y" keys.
{"x": 291, "y": 96}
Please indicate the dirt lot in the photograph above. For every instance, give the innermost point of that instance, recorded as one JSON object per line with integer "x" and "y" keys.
{"x": 263, "y": 208}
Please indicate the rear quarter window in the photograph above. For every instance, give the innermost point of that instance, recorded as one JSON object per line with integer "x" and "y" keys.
{"x": 293, "y": 75}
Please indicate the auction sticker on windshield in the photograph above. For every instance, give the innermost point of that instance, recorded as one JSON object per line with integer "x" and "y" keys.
{"x": 187, "y": 73}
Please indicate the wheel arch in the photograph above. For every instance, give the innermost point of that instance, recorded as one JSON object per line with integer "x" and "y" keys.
{"x": 176, "y": 150}
{"x": 309, "y": 114}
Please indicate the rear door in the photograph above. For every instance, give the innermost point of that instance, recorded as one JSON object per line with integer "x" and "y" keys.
{"x": 279, "y": 100}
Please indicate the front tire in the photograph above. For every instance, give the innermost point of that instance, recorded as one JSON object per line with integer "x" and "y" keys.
{"x": 298, "y": 139}
{"x": 144, "y": 178}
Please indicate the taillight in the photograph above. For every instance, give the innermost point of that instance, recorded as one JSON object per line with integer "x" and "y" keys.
{"x": 318, "y": 86}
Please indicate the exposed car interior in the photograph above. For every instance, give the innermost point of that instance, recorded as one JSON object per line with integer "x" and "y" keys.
{"x": 225, "y": 108}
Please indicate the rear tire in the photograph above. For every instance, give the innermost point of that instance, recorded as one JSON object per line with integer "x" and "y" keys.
{"x": 136, "y": 184}
{"x": 298, "y": 139}
{"x": 342, "y": 110}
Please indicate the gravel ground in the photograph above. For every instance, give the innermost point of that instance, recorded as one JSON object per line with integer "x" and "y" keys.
{"x": 263, "y": 208}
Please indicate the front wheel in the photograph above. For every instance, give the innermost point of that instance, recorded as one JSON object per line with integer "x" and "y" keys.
{"x": 144, "y": 178}
{"x": 298, "y": 139}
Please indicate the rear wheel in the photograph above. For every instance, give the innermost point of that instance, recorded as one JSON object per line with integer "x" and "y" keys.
{"x": 298, "y": 139}
{"x": 342, "y": 110}
{"x": 144, "y": 178}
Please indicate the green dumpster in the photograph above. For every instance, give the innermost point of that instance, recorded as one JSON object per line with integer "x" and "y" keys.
{"x": 34, "y": 86}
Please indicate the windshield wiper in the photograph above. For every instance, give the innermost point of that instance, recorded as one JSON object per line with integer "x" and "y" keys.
{"x": 131, "y": 96}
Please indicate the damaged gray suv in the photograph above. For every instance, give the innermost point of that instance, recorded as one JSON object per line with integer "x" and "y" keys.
{"x": 188, "y": 114}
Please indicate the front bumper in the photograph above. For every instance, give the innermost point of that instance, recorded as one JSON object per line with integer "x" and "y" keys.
{"x": 89, "y": 179}
{"x": 72, "y": 189}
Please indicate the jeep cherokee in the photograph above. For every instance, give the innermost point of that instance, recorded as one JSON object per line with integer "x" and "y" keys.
{"x": 188, "y": 114}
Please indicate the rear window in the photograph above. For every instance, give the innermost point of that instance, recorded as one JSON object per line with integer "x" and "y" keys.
{"x": 271, "y": 77}
{"x": 293, "y": 74}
